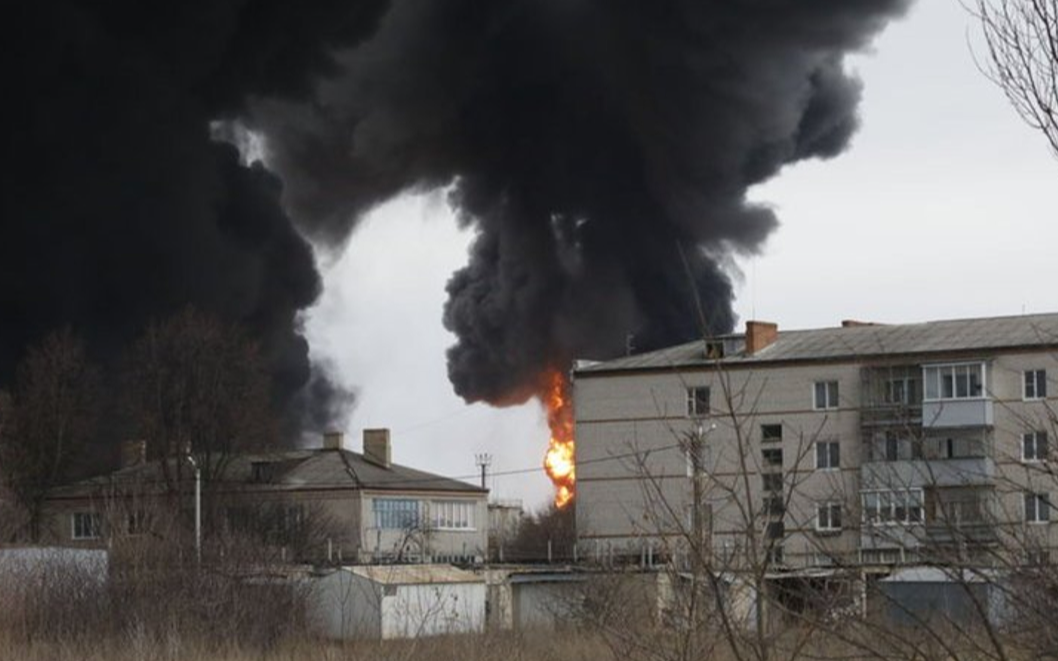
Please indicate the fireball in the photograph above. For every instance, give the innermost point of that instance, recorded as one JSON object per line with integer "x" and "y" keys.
{"x": 559, "y": 462}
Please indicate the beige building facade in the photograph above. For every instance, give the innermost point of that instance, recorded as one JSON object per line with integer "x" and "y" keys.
{"x": 862, "y": 445}
{"x": 318, "y": 504}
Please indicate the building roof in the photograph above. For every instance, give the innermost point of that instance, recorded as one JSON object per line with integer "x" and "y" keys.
{"x": 859, "y": 342}
{"x": 414, "y": 574}
{"x": 291, "y": 470}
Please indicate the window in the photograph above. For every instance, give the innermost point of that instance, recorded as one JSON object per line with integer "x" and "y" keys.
{"x": 892, "y": 507}
{"x": 774, "y": 505}
{"x": 452, "y": 514}
{"x": 137, "y": 522}
{"x": 826, "y": 395}
{"x": 892, "y": 447}
{"x": 1034, "y": 446}
{"x": 1037, "y": 508}
{"x": 85, "y": 525}
{"x": 901, "y": 390}
{"x": 772, "y": 482}
{"x": 828, "y": 517}
{"x": 772, "y": 457}
{"x": 770, "y": 433}
{"x": 963, "y": 381}
{"x": 1035, "y": 384}
{"x": 828, "y": 454}
{"x": 775, "y": 555}
{"x": 775, "y": 530}
{"x": 395, "y": 513}
{"x": 697, "y": 401}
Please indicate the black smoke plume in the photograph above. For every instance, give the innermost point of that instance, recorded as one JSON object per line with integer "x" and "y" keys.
{"x": 602, "y": 151}
{"x": 117, "y": 205}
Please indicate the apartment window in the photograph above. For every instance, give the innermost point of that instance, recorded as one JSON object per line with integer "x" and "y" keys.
{"x": 962, "y": 381}
{"x": 828, "y": 517}
{"x": 828, "y": 454}
{"x": 85, "y": 525}
{"x": 1035, "y": 384}
{"x": 774, "y": 505}
{"x": 771, "y": 457}
{"x": 775, "y": 530}
{"x": 136, "y": 524}
{"x": 901, "y": 390}
{"x": 772, "y": 482}
{"x": 452, "y": 514}
{"x": 1034, "y": 446}
{"x": 1037, "y": 508}
{"x": 770, "y": 433}
{"x": 775, "y": 555}
{"x": 395, "y": 513}
{"x": 892, "y": 506}
{"x": 698, "y": 401}
{"x": 826, "y": 395}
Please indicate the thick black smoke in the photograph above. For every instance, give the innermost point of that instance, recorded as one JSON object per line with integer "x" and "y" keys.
{"x": 119, "y": 208}
{"x": 601, "y": 148}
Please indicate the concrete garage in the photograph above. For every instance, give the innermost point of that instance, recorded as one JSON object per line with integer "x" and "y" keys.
{"x": 398, "y": 601}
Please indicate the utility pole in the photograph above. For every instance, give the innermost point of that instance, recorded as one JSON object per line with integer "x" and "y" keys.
{"x": 483, "y": 459}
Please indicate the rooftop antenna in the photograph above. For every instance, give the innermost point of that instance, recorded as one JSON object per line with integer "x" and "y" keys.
{"x": 483, "y": 460}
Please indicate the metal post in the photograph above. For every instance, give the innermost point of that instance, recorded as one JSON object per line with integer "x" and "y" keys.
{"x": 198, "y": 509}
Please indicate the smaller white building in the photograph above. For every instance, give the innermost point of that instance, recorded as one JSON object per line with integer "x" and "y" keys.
{"x": 398, "y": 601}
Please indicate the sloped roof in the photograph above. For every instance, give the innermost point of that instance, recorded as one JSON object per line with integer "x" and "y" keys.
{"x": 861, "y": 342}
{"x": 292, "y": 470}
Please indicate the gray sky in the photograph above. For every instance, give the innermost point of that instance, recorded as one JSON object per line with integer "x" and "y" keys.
{"x": 942, "y": 208}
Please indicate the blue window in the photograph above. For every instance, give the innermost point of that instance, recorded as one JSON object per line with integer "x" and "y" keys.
{"x": 395, "y": 513}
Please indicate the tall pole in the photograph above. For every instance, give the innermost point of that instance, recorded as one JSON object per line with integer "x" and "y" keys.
{"x": 483, "y": 460}
{"x": 198, "y": 509}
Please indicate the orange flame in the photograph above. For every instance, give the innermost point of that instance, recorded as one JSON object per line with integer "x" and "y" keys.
{"x": 559, "y": 462}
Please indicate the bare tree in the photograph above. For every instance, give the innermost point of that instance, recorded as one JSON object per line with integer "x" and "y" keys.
{"x": 1021, "y": 38}
{"x": 194, "y": 384}
{"x": 46, "y": 420}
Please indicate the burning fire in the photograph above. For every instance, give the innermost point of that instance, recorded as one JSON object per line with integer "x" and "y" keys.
{"x": 559, "y": 460}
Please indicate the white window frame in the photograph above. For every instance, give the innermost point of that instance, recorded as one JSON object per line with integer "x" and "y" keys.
{"x": 933, "y": 377}
{"x": 907, "y": 394}
{"x": 826, "y": 511}
{"x": 693, "y": 401}
{"x": 1033, "y": 439}
{"x": 890, "y": 501}
{"x": 832, "y": 463}
{"x": 454, "y": 515}
{"x": 94, "y": 526}
{"x": 385, "y": 515}
{"x": 830, "y": 393}
{"x": 1039, "y": 512}
{"x": 1036, "y": 382}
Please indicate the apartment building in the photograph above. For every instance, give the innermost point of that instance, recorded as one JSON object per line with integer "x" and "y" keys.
{"x": 863, "y": 445}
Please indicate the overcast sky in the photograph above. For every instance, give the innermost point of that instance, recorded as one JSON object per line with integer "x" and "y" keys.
{"x": 942, "y": 208}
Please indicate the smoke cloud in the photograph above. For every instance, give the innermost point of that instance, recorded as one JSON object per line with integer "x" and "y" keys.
{"x": 601, "y": 150}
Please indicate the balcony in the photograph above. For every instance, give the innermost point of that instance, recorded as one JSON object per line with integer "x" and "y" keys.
{"x": 957, "y": 413}
{"x": 919, "y": 473}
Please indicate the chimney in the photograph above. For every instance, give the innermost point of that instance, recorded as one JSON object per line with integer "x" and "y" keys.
{"x": 376, "y": 446}
{"x": 760, "y": 334}
{"x": 133, "y": 453}
{"x": 332, "y": 440}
